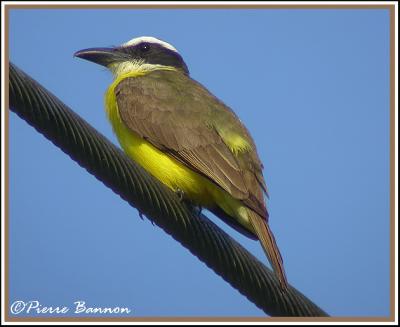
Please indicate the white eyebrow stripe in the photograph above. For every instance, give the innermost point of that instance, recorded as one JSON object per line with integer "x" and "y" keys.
{"x": 149, "y": 39}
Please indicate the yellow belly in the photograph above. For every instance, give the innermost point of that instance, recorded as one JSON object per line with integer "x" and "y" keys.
{"x": 168, "y": 170}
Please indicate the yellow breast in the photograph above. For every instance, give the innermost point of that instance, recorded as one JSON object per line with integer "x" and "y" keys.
{"x": 165, "y": 168}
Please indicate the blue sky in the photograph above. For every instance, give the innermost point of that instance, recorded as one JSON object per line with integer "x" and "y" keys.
{"x": 312, "y": 86}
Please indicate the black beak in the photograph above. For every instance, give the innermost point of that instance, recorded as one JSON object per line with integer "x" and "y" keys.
{"x": 101, "y": 56}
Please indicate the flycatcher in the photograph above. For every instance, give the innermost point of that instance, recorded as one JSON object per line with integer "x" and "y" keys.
{"x": 186, "y": 137}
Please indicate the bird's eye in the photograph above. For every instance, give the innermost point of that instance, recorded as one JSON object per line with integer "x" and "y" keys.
{"x": 144, "y": 47}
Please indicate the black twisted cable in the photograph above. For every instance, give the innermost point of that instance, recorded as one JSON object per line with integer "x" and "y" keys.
{"x": 33, "y": 103}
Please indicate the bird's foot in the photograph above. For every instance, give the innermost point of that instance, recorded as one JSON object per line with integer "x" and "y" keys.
{"x": 140, "y": 214}
{"x": 197, "y": 210}
{"x": 180, "y": 194}
{"x": 193, "y": 206}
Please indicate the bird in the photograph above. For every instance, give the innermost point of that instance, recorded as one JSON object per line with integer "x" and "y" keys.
{"x": 186, "y": 137}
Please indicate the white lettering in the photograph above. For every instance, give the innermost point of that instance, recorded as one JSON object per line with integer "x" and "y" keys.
{"x": 34, "y": 307}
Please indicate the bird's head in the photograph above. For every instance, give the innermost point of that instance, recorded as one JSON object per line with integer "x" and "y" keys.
{"x": 139, "y": 54}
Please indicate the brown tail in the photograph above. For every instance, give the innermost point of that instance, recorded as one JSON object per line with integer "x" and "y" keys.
{"x": 269, "y": 246}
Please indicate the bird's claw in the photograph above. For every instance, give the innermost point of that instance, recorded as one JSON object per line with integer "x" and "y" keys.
{"x": 140, "y": 214}
{"x": 180, "y": 194}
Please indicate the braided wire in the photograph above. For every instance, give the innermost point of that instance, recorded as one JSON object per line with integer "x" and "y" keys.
{"x": 49, "y": 116}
